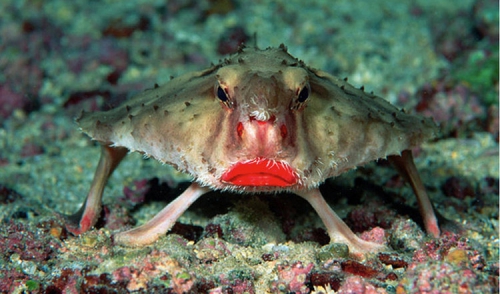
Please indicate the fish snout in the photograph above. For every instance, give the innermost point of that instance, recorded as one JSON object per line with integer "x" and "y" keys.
{"x": 262, "y": 137}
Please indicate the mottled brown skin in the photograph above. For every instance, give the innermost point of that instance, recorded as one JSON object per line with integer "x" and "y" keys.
{"x": 260, "y": 121}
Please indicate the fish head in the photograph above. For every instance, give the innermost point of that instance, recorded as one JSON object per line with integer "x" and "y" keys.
{"x": 262, "y": 110}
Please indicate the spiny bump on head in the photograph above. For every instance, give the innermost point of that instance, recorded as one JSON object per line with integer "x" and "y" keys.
{"x": 241, "y": 47}
{"x": 82, "y": 113}
{"x": 283, "y": 47}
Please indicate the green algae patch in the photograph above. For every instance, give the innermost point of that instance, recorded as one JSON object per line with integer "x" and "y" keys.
{"x": 333, "y": 250}
{"x": 32, "y": 285}
{"x": 480, "y": 74}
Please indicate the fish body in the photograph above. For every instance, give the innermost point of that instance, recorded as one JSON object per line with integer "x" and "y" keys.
{"x": 259, "y": 121}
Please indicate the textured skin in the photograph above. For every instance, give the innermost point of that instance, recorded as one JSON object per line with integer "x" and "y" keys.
{"x": 260, "y": 121}
{"x": 183, "y": 123}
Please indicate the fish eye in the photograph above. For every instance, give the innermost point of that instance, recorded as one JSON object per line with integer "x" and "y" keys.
{"x": 303, "y": 94}
{"x": 221, "y": 94}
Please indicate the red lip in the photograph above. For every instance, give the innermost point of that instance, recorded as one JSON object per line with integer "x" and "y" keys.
{"x": 260, "y": 172}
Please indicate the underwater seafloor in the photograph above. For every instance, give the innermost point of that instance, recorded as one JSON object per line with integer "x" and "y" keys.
{"x": 434, "y": 57}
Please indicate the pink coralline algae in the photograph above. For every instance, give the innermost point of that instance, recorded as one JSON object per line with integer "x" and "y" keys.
{"x": 376, "y": 235}
{"x": 137, "y": 193}
{"x": 454, "y": 107}
{"x": 29, "y": 243}
{"x": 447, "y": 265}
{"x": 293, "y": 278}
{"x": 437, "y": 249}
{"x": 156, "y": 265}
{"x": 443, "y": 277}
{"x": 10, "y": 101}
{"x": 12, "y": 279}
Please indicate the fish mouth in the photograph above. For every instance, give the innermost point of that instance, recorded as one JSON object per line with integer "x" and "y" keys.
{"x": 260, "y": 172}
